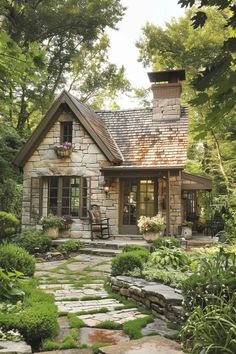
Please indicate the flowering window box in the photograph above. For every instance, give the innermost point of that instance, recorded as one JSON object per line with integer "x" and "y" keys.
{"x": 63, "y": 150}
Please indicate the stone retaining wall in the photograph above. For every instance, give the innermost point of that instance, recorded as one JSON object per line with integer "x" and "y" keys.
{"x": 162, "y": 300}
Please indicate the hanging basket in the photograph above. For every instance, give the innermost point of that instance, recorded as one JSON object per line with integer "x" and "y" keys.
{"x": 61, "y": 153}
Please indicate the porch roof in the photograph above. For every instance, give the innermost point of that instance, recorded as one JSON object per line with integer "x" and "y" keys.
{"x": 191, "y": 181}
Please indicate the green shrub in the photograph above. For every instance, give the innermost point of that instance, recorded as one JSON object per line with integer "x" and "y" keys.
{"x": 34, "y": 241}
{"x": 38, "y": 322}
{"x": 211, "y": 330}
{"x": 8, "y": 224}
{"x": 125, "y": 262}
{"x": 168, "y": 242}
{"x": 9, "y": 286}
{"x": 51, "y": 221}
{"x": 166, "y": 258}
{"x": 129, "y": 248}
{"x": 13, "y": 257}
{"x": 70, "y": 246}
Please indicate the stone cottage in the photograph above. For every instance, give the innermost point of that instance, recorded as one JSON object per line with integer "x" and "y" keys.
{"x": 129, "y": 162}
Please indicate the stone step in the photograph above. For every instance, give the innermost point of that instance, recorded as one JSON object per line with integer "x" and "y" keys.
{"x": 99, "y": 251}
{"x": 145, "y": 345}
{"x": 9, "y": 347}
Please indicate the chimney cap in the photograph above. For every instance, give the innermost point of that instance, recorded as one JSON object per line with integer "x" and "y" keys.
{"x": 167, "y": 75}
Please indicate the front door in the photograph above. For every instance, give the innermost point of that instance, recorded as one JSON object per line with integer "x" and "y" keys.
{"x": 138, "y": 197}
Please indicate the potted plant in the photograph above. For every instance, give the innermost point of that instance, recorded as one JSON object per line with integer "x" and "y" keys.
{"x": 187, "y": 229}
{"x": 63, "y": 150}
{"x": 67, "y": 221}
{"x": 51, "y": 225}
{"x": 151, "y": 227}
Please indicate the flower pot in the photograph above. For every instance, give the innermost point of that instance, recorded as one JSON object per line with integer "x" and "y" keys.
{"x": 151, "y": 236}
{"x": 53, "y": 232}
{"x": 187, "y": 232}
{"x": 63, "y": 152}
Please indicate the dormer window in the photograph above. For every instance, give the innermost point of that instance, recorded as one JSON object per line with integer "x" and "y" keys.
{"x": 66, "y": 132}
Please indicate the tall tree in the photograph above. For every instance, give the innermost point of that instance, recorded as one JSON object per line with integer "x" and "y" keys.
{"x": 60, "y": 28}
{"x": 178, "y": 45}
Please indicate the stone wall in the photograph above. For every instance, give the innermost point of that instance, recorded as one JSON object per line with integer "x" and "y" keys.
{"x": 175, "y": 202}
{"x": 162, "y": 300}
{"x": 86, "y": 160}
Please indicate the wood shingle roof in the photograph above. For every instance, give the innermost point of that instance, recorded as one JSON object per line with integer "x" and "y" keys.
{"x": 144, "y": 142}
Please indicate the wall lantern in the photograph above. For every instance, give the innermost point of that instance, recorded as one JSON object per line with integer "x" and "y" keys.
{"x": 184, "y": 195}
{"x": 106, "y": 189}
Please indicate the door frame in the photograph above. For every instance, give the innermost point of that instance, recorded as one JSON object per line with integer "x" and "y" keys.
{"x": 121, "y": 201}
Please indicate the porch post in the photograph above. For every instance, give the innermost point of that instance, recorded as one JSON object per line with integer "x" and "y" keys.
{"x": 168, "y": 203}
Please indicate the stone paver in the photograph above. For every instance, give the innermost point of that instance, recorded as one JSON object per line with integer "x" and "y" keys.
{"x": 119, "y": 316}
{"x": 77, "y": 306}
{"x": 158, "y": 326}
{"x": 9, "y": 347}
{"x": 145, "y": 345}
{"x": 99, "y": 335}
{"x": 68, "y": 351}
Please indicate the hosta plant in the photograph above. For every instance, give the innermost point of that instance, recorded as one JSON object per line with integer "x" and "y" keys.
{"x": 166, "y": 258}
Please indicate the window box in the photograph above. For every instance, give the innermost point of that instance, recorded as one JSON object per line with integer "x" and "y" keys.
{"x": 63, "y": 150}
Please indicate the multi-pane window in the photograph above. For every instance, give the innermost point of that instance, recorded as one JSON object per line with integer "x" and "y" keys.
{"x": 67, "y": 196}
{"x": 66, "y": 132}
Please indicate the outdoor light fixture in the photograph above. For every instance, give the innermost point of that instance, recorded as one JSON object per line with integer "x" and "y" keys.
{"x": 184, "y": 195}
{"x": 106, "y": 190}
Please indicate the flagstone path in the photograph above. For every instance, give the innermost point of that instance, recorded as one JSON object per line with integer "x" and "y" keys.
{"x": 78, "y": 287}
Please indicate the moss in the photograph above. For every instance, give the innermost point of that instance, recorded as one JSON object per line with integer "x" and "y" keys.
{"x": 75, "y": 321}
{"x": 108, "y": 324}
{"x": 133, "y": 328}
{"x": 87, "y": 298}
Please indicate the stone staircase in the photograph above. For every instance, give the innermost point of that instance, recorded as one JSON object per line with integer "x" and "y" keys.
{"x": 109, "y": 248}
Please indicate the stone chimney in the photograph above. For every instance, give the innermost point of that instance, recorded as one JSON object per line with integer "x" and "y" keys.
{"x": 167, "y": 88}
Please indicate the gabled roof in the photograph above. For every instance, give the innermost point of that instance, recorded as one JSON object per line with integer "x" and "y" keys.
{"x": 147, "y": 143}
{"x": 91, "y": 122}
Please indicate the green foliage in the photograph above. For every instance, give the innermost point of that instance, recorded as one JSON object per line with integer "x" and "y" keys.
{"x": 129, "y": 248}
{"x": 166, "y": 258}
{"x": 11, "y": 194}
{"x": 8, "y": 224}
{"x": 125, "y": 262}
{"x": 75, "y": 321}
{"x": 38, "y": 322}
{"x": 213, "y": 279}
{"x": 35, "y": 318}
{"x": 44, "y": 46}
{"x": 133, "y": 328}
{"x": 34, "y": 241}
{"x": 9, "y": 286}
{"x": 211, "y": 329}
{"x": 109, "y": 324}
{"x": 70, "y": 246}
{"x": 51, "y": 221}
{"x": 168, "y": 242}
{"x": 16, "y": 258}
{"x": 170, "y": 277}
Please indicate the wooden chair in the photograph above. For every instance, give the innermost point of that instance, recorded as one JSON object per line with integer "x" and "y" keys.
{"x": 99, "y": 226}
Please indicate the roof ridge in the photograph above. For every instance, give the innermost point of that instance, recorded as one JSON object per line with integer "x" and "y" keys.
{"x": 123, "y": 110}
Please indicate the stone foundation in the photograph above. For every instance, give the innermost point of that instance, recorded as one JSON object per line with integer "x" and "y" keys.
{"x": 162, "y": 300}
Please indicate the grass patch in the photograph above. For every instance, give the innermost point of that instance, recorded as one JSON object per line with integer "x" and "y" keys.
{"x": 75, "y": 321}
{"x": 95, "y": 347}
{"x": 133, "y": 328}
{"x": 108, "y": 324}
{"x": 91, "y": 312}
{"x": 87, "y": 298}
{"x": 173, "y": 325}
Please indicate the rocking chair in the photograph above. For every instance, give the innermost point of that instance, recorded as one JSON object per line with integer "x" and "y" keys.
{"x": 99, "y": 226}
